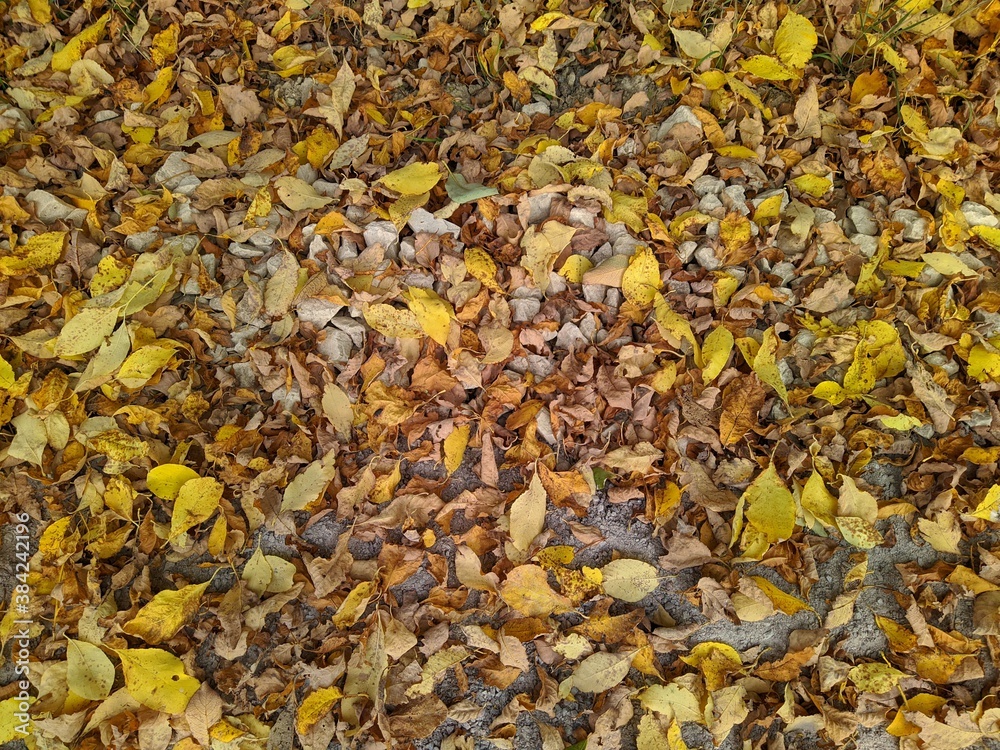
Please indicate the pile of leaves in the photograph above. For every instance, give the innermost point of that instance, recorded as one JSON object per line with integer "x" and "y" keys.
{"x": 462, "y": 373}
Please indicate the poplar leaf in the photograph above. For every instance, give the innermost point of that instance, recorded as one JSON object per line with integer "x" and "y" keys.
{"x": 597, "y": 673}
{"x": 770, "y": 507}
{"x": 433, "y": 314}
{"x": 167, "y": 613}
{"x": 454, "y": 447}
{"x": 795, "y": 40}
{"x": 63, "y": 60}
{"x": 86, "y": 331}
{"x": 413, "y": 179}
{"x": 629, "y": 580}
{"x": 527, "y": 514}
{"x": 765, "y": 366}
{"x": 90, "y": 673}
{"x": 166, "y": 480}
{"x": 196, "y": 501}
{"x": 641, "y": 280}
{"x": 157, "y": 679}
{"x": 715, "y": 351}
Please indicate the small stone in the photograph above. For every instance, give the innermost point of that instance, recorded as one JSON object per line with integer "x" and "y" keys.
{"x": 328, "y": 189}
{"x": 581, "y": 217}
{"x": 784, "y": 271}
{"x": 539, "y": 366}
{"x": 863, "y": 220}
{"x": 594, "y": 293}
{"x": 557, "y": 283}
{"x": 570, "y": 337}
{"x": 141, "y": 241}
{"x": 381, "y": 233}
{"x": 536, "y": 108}
{"x": 685, "y": 250}
{"x": 824, "y": 216}
{"x": 683, "y": 114}
{"x": 710, "y": 203}
{"x": 613, "y": 297}
{"x": 602, "y": 253}
{"x": 734, "y": 197}
{"x": 353, "y": 328}
{"x": 347, "y": 250}
{"x": 764, "y": 195}
{"x": 707, "y": 184}
{"x": 543, "y": 422}
{"x": 914, "y": 225}
{"x": 712, "y": 229}
{"x": 263, "y": 240}
{"x": 705, "y": 257}
{"x": 678, "y": 287}
{"x": 422, "y": 220}
{"x": 867, "y": 244}
{"x": 307, "y": 173}
{"x": 979, "y": 215}
{"x": 524, "y": 309}
{"x": 49, "y": 209}
{"x": 408, "y": 251}
{"x": 626, "y": 245}
{"x": 336, "y": 346}
{"x": 317, "y": 311}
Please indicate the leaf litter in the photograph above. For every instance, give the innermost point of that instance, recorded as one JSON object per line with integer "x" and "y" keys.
{"x": 451, "y": 374}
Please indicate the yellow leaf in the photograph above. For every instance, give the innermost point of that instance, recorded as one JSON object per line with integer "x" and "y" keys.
{"x": 672, "y": 326}
{"x": 989, "y": 235}
{"x": 143, "y": 364}
{"x": 38, "y": 252}
{"x": 875, "y": 677}
{"x": 901, "y": 422}
{"x": 766, "y": 67}
{"x": 86, "y": 331}
{"x": 830, "y": 391}
{"x": 315, "y": 706}
{"x": 574, "y": 268}
{"x": 454, "y": 447}
{"x": 337, "y": 407}
{"x": 629, "y": 580}
{"x": 118, "y": 445}
{"x": 716, "y": 661}
{"x": 353, "y": 607}
{"x": 437, "y": 665}
{"x": 989, "y": 508}
{"x": 715, "y": 353}
{"x": 781, "y": 600}
{"x": 795, "y": 40}
{"x": 413, "y": 179}
{"x": 694, "y": 45}
{"x": 597, "y": 673}
{"x": 818, "y": 500}
{"x": 527, "y": 514}
{"x": 7, "y": 378}
{"x": 63, "y": 60}
{"x": 631, "y": 210}
{"x": 166, "y": 480}
{"x": 110, "y": 275}
{"x": 766, "y": 367}
{"x": 119, "y": 496}
{"x": 545, "y": 20}
{"x": 157, "y": 679}
{"x": 168, "y": 612}
{"x": 641, "y": 280}
{"x": 735, "y": 231}
{"x": 310, "y": 484}
{"x": 165, "y": 44}
{"x": 196, "y": 501}
{"x": 299, "y": 195}
{"x": 813, "y": 185}
{"x": 541, "y": 248}
{"x": 768, "y": 210}
{"x": 527, "y": 590}
{"x": 482, "y": 267}
{"x": 391, "y": 321}
{"x": 41, "y": 12}
{"x": 859, "y": 532}
{"x": 432, "y": 313}
{"x": 947, "y": 264}
{"x": 770, "y": 507}
{"x": 90, "y": 673}
{"x": 735, "y": 151}
{"x": 860, "y": 376}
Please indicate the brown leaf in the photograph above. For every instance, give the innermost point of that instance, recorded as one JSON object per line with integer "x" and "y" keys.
{"x": 741, "y": 401}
